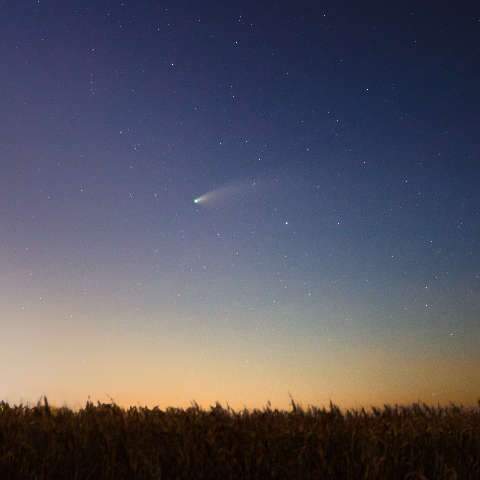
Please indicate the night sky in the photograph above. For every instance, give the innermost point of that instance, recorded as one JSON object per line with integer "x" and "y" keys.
{"x": 238, "y": 201}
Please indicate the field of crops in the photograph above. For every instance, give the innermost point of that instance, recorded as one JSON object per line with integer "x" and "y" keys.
{"x": 104, "y": 441}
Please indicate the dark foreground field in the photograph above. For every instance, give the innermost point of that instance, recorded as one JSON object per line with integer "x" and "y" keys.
{"x": 104, "y": 441}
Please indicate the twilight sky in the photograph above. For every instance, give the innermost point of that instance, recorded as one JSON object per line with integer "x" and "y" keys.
{"x": 235, "y": 201}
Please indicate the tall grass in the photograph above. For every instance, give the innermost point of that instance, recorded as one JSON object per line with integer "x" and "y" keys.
{"x": 104, "y": 441}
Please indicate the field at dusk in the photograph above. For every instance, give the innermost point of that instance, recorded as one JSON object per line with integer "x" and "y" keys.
{"x": 237, "y": 203}
{"x": 104, "y": 441}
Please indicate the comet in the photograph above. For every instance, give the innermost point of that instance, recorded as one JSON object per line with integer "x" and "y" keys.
{"x": 202, "y": 199}
{"x": 225, "y": 193}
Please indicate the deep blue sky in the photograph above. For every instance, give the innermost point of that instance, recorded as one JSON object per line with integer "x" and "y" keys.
{"x": 336, "y": 254}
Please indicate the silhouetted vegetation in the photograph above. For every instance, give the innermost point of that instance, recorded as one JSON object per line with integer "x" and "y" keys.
{"x": 104, "y": 441}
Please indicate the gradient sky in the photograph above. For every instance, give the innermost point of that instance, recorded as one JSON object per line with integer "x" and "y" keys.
{"x": 335, "y": 249}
